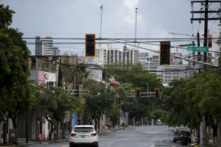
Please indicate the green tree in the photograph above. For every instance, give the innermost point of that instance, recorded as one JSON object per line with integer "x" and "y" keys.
{"x": 135, "y": 74}
{"x": 99, "y": 101}
{"x": 115, "y": 114}
{"x": 15, "y": 92}
{"x": 52, "y": 104}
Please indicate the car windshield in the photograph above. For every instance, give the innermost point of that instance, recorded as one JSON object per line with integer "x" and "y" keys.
{"x": 83, "y": 129}
{"x": 182, "y": 130}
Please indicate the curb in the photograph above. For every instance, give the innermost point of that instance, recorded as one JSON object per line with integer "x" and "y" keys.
{"x": 41, "y": 142}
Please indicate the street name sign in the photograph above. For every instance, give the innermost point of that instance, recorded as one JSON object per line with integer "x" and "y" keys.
{"x": 197, "y": 49}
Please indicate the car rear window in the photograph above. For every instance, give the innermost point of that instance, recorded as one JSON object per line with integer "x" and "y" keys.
{"x": 83, "y": 129}
{"x": 182, "y": 129}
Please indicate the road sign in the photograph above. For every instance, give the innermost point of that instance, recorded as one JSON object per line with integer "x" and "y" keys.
{"x": 161, "y": 93}
{"x": 197, "y": 49}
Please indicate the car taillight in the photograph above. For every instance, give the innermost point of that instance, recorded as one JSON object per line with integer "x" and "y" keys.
{"x": 187, "y": 132}
{"x": 73, "y": 134}
{"x": 93, "y": 134}
{"x": 176, "y": 132}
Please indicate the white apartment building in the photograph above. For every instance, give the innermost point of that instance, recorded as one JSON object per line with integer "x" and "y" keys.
{"x": 107, "y": 54}
{"x": 94, "y": 67}
{"x": 170, "y": 72}
{"x": 44, "y": 46}
{"x": 150, "y": 60}
{"x": 215, "y": 47}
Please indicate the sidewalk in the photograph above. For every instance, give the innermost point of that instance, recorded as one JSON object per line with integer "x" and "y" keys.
{"x": 23, "y": 143}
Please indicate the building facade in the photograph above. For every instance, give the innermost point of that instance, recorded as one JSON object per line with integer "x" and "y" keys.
{"x": 44, "y": 46}
{"x": 150, "y": 60}
{"x": 170, "y": 72}
{"x": 215, "y": 47}
{"x": 94, "y": 67}
{"x": 110, "y": 55}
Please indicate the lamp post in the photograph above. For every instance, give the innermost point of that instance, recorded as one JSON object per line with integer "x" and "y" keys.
{"x": 101, "y": 7}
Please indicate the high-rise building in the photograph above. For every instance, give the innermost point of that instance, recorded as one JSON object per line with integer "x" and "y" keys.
{"x": 44, "y": 46}
{"x": 110, "y": 55}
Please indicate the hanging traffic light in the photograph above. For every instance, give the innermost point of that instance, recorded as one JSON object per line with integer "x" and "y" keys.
{"x": 138, "y": 92}
{"x": 90, "y": 45}
{"x": 76, "y": 90}
{"x": 156, "y": 92}
{"x": 165, "y": 53}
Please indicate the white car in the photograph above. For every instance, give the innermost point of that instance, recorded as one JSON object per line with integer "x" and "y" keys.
{"x": 83, "y": 135}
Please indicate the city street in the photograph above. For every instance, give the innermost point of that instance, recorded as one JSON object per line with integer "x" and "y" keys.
{"x": 133, "y": 136}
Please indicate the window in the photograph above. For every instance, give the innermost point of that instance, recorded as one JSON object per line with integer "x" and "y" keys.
{"x": 83, "y": 129}
{"x": 151, "y": 59}
{"x": 148, "y": 59}
{"x": 165, "y": 76}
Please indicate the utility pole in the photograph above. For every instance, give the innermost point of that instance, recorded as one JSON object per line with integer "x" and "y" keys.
{"x": 205, "y": 29}
{"x": 206, "y": 12}
{"x": 198, "y": 44}
{"x": 193, "y": 54}
{"x": 135, "y": 26}
{"x": 26, "y": 127}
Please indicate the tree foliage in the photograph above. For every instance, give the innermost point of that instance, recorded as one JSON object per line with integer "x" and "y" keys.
{"x": 133, "y": 76}
{"x": 15, "y": 92}
{"x": 52, "y": 104}
{"x": 187, "y": 100}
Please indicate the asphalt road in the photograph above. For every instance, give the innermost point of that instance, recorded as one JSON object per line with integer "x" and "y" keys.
{"x": 133, "y": 136}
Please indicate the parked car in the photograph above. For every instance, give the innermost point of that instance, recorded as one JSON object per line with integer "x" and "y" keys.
{"x": 83, "y": 135}
{"x": 181, "y": 131}
{"x": 159, "y": 123}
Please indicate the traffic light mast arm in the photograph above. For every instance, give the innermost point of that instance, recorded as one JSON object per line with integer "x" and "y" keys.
{"x": 187, "y": 59}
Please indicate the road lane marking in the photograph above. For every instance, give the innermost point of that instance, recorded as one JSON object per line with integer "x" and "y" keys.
{"x": 65, "y": 145}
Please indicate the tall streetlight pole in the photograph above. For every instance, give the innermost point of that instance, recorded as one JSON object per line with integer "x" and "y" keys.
{"x": 135, "y": 26}
{"x": 101, "y": 7}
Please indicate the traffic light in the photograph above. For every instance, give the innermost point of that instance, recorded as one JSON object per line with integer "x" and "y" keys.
{"x": 76, "y": 93}
{"x": 156, "y": 92}
{"x": 90, "y": 45}
{"x": 165, "y": 53}
{"x": 138, "y": 92}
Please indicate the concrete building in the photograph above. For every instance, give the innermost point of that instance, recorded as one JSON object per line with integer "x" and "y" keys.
{"x": 44, "y": 46}
{"x": 94, "y": 67}
{"x": 215, "y": 47}
{"x": 110, "y": 55}
{"x": 171, "y": 72}
{"x": 150, "y": 60}
{"x": 174, "y": 71}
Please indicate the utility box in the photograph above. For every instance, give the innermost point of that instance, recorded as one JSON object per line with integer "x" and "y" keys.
{"x": 13, "y": 136}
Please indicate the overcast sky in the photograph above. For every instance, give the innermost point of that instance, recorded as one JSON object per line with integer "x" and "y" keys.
{"x": 75, "y": 18}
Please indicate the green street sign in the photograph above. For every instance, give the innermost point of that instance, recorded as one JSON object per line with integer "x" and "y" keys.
{"x": 197, "y": 49}
{"x": 161, "y": 93}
